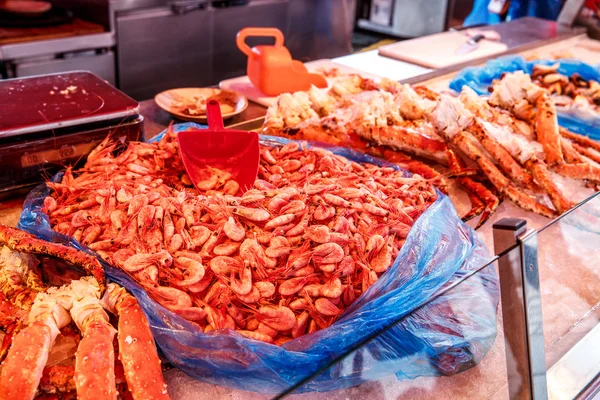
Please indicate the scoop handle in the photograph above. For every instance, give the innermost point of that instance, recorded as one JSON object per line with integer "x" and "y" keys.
{"x": 268, "y": 32}
{"x": 213, "y": 114}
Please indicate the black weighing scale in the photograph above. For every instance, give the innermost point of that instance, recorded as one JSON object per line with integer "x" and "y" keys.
{"x": 53, "y": 121}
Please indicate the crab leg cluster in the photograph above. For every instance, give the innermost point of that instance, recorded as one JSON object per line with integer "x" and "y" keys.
{"x": 513, "y": 137}
{"x": 94, "y": 366}
{"x": 532, "y": 106}
{"x": 39, "y": 314}
{"x": 385, "y": 119}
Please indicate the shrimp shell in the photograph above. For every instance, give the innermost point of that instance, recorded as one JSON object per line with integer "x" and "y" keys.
{"x": 233, "y": 230}
{"x": 252, "y": 214}
{"x": 280, "y": 318}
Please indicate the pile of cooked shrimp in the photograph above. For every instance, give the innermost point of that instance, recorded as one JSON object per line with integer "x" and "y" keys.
{"x": 281, "y": 260}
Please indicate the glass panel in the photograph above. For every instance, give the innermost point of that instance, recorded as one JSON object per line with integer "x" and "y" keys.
{"x": 569, "y": 262}
{"x": 452, "y": 346}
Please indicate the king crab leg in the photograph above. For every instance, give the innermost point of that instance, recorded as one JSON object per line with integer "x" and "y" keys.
{"x": 401, "y": 138}
{"x": 94, "y": 362}
{"x": 592, "y": 154}
{"x": 136, "y": 344}
{"x": 542, "y": 176}
{"x": 580, "y": 139}
{"x": 547, "y": 131}
{"x": 506, "y": 162}
{"x": 477, "y": 207}
{"x": 483, "y": 201}
{"x": 49, "y": 314}
{"x": 20, "y": 282}
{"x": 500, "y": 182}
{"x": 31, "y": 347}
{"x": 51, "y": 311}
{"x": 450, "y": 117}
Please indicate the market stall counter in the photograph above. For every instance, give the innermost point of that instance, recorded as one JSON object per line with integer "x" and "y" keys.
{"x": 418, "y": 290}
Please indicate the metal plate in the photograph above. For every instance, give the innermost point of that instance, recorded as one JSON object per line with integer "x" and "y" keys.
{"x": 43, "y": 103}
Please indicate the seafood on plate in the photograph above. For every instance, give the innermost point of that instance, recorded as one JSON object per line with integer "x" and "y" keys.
{"x": 284, "y": 259}
{"x": 38, "y": 319}
{"x": 386, "y": 119}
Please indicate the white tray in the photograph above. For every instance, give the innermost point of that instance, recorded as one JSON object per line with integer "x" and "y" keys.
{"x": 243, "y": 85}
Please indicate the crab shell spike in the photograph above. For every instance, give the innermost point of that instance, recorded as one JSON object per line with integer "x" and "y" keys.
{"x": 31, "y": 347}
{"x": 136, "y": 344}
{"x": 18, "y": 240}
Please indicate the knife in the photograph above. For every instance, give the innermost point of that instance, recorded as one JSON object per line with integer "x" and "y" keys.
{"x": 469, "y": 45}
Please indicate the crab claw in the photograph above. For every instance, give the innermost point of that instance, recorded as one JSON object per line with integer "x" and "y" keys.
{"x": 136, "y": 345}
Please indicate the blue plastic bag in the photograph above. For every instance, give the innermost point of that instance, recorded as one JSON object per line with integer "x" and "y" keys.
{"x": 547, "y": 9}
{"x": 480, "y": 79}
{"x": 450, "y": 334}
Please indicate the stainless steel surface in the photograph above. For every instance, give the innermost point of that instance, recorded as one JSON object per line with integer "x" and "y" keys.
{"x": 533, "y": 315}
{"x": 569, "y": 12}
{"x": 519, "y": 35}
{"x": 569, "y": 377}
{"x": 102, "y": 65}
{"x": 161, "y": 44}
{"x": 56, "y": 46}
{"x": 57, "y": 55}
{"x": 319, "y": 28}
{"x": 198, "y": 48}
{"x": 521, "y": 309}
{"x": 467, "y": 47}
{"x": 413, "y": 18}
{"x": 159, "y": 50}
{"x": 382, "y": 12}
{"x": 529, "y": 31}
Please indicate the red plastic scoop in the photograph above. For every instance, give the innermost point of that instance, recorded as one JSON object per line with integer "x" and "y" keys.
{"x": 233, "y": 151}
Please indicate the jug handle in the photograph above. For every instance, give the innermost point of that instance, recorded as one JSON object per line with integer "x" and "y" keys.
{"x": 265, "y": 32}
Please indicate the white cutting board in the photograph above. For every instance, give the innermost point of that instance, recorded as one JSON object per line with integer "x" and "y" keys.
{"x": 243, "y": 85}
{"x": 438, "y": 51}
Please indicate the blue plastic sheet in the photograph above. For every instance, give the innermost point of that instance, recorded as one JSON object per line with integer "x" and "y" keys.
{"x": 547, "y": 9}
{"x": 446, "y": 336}
{"x": 480, "y": 79}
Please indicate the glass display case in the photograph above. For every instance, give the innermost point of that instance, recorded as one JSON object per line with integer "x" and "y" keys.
{"x": 548, "y": 330}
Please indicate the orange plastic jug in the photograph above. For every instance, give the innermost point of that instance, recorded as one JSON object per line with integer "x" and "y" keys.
{"x": 271, "y": 67}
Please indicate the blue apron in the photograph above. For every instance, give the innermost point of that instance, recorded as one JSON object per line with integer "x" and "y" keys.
{"x": 547, "y": 9}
